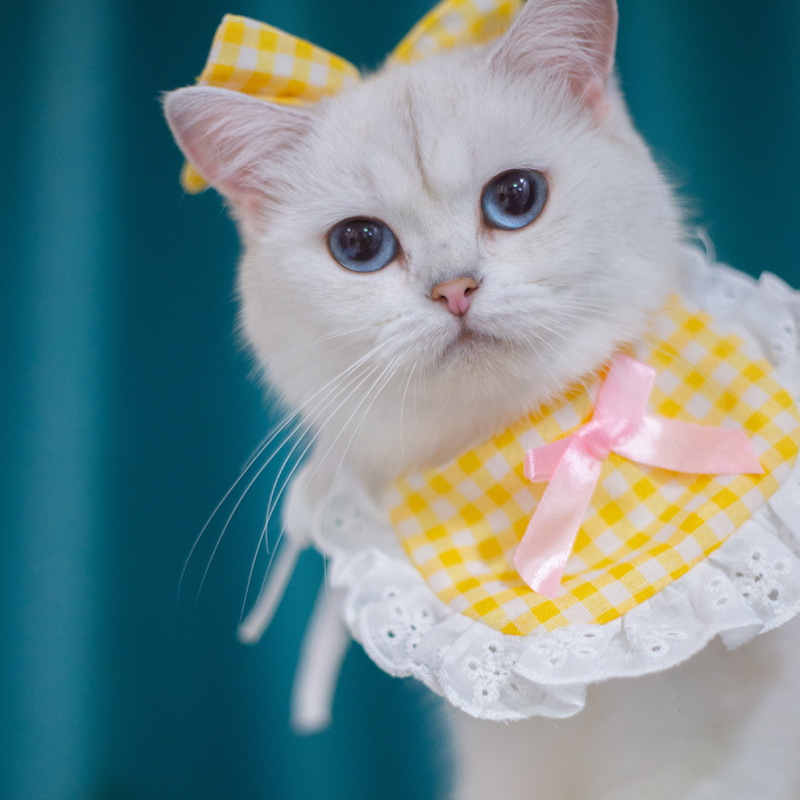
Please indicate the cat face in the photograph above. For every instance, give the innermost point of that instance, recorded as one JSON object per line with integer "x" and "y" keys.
{"x": 437, "y": 251}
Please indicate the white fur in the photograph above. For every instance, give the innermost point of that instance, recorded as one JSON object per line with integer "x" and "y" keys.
{"x": 414, "y": 146}
{"x": 722, "y": 726}
{"x": 381, "y": 371}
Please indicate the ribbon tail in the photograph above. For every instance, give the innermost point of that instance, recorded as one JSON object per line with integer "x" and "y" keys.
{"x": 547, "y": 544}
{"x": 687, "y": 447}
{"x": 257, "y": 621}
{"x": 324, "y": 647}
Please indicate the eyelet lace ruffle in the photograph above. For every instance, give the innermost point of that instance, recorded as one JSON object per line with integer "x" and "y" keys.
{"x": 748, "y": 586}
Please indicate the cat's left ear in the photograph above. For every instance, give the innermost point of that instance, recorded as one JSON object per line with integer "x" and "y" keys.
{"x": 572, "y": 39}
{"x": 233, "y": 139}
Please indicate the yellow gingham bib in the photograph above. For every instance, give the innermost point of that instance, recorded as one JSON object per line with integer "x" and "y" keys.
{"x": 460, "y": 525}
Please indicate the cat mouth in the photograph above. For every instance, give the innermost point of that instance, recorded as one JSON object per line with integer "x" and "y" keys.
{"x": 469, "y": 340}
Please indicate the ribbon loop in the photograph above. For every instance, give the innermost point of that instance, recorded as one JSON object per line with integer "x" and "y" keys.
{"x": 619, "y": 425}
{"x": 257, "y": 59}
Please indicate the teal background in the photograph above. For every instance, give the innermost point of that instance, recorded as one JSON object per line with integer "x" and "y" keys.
{"x": 128, "y": 407}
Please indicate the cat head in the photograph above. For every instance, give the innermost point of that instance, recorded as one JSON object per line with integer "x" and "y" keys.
{"x": 438, "y": 250}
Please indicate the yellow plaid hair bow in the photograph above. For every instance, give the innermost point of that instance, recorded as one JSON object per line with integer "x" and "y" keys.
{"x": 257, "y": 59}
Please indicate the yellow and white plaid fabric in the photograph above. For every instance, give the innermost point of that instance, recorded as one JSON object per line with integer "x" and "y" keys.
{"x": 256, "y": 59}
{"x": 460, "y": 525}
{"x": 456, "y": 23}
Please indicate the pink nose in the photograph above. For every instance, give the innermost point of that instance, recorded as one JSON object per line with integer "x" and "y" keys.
{"x": 456, "y": 294}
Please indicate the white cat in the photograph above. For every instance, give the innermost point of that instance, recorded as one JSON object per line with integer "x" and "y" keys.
{"x": 433, "y": 254}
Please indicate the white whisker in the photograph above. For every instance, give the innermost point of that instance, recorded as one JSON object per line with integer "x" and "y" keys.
{"x": 284, "y": 481}
{"x": 299, "y": 422}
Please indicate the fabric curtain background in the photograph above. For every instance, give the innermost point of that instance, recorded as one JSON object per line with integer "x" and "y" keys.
{"x": 128, "y": 407}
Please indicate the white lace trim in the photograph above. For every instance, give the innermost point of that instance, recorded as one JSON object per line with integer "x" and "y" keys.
{"x": 748, "y": 586}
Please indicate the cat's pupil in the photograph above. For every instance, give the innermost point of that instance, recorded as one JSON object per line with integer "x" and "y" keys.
{"x": 515, "y": 194}
{"x": 360, "y": 241}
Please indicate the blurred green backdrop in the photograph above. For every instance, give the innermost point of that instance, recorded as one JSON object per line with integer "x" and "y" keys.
{"x": 128, "y": 409}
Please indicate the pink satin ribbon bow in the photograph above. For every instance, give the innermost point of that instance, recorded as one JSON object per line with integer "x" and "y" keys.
{"x": 619, "y": 425}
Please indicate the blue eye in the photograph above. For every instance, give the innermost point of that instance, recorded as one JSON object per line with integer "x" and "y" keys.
{"x": 362, "y": 245}
{"x": 514, "y": 199}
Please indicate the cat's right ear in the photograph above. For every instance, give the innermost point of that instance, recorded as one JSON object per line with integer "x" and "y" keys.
{"x": 232, "y": 138}
{"x": 573, "y": 40}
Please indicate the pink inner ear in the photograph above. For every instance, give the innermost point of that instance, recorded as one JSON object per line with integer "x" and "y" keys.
{"x": 566, "y": 37}
{"x": 596, "y": 99}
{"x": 232, "y": 138}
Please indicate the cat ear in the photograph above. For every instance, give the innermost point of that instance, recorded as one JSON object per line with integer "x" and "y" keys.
{"x": 231, "y": 138}
{"x": 572, "y": 38}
